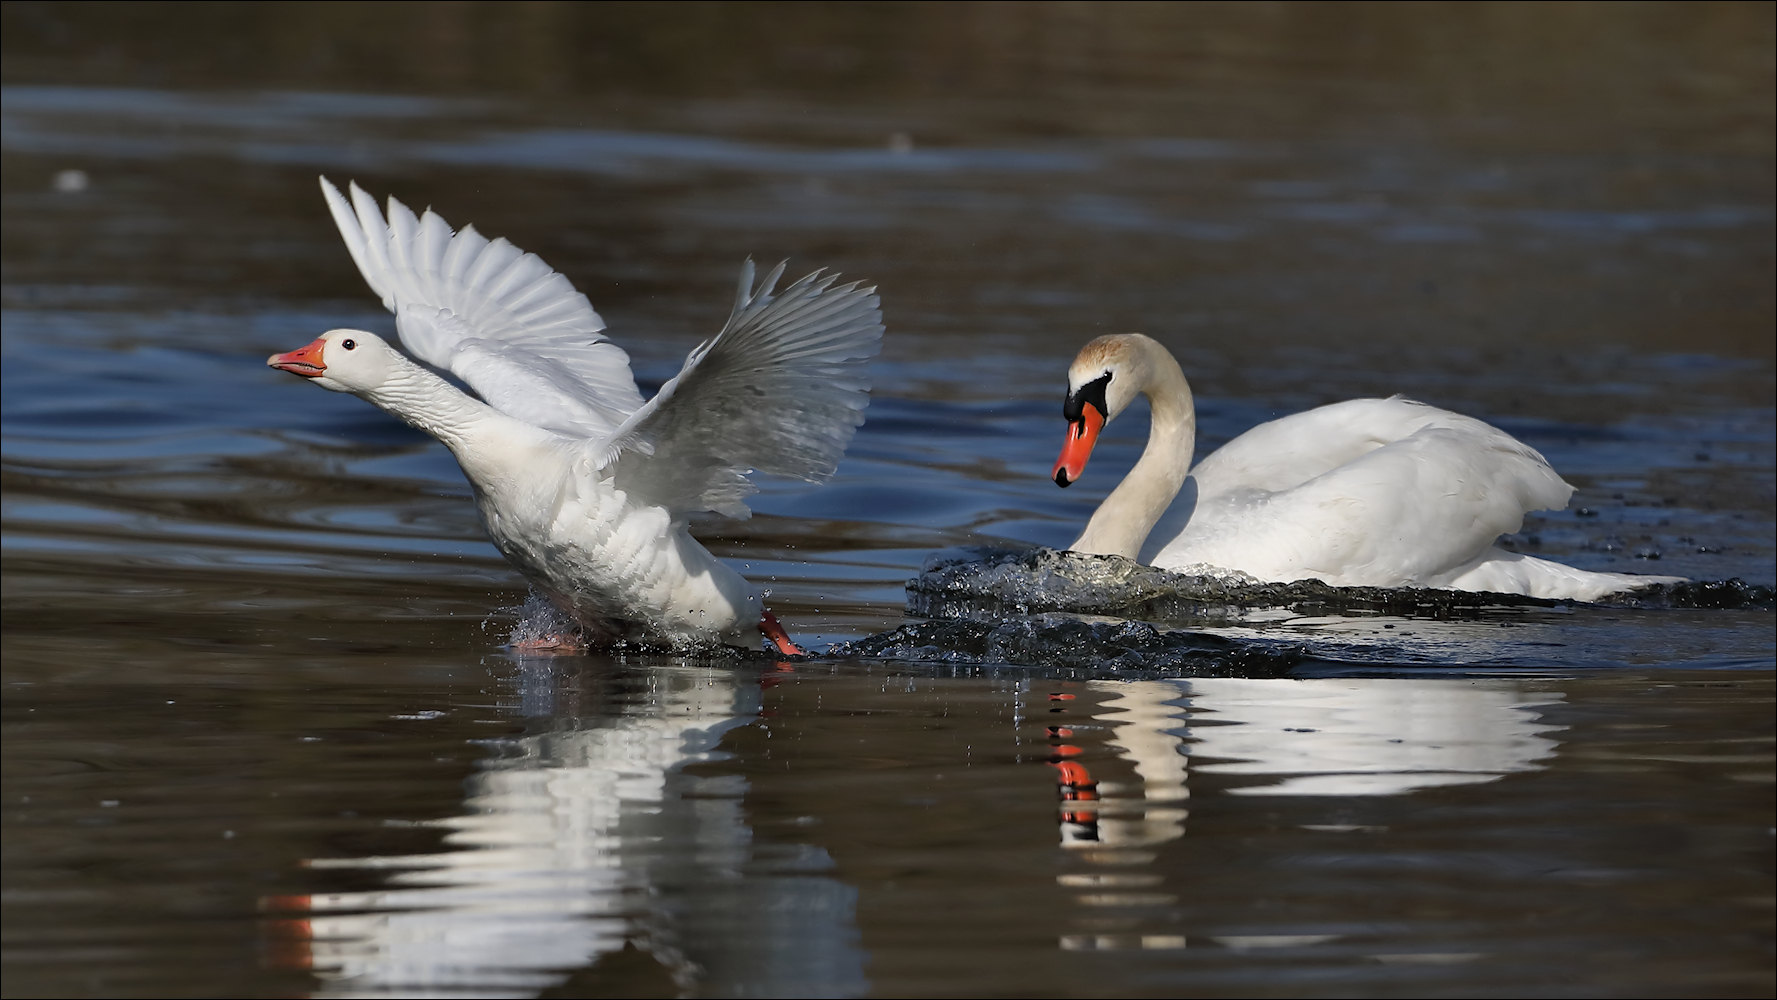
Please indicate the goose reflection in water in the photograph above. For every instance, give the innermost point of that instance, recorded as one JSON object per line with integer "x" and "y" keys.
{"x": 571, "y": 838}
{"x": 1311, "y": 737}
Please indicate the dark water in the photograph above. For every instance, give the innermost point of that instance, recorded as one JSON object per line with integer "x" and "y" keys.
{"x": 260, "y": 738}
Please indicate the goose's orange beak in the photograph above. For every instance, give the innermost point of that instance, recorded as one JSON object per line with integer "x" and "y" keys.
{"x": 304, "y": 361}
{"x": 1082, "y": 434}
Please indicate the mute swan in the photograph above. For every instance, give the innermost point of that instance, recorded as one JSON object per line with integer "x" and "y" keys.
{"x": 1368, "y": 492}
{"x": 581, "y": 484}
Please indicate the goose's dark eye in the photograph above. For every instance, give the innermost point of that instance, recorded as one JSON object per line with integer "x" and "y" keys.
{"x": 350, "y": 345}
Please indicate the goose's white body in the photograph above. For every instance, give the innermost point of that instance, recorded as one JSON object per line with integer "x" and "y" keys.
{"x": 624, "y": 568}
{"x": 581, "y": 484}
{"x": 1368, "y": 492}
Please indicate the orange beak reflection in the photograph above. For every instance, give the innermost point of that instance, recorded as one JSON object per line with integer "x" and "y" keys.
{"x": 1082, "y": 434}
{"x": 304, "y": 361}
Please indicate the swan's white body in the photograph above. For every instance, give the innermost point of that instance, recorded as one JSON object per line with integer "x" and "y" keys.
{"x": 1368, "y": 492}
{"x": 581, "y": 484}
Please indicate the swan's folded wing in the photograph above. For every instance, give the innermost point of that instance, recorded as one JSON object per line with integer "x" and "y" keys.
{"x": 496, "y": 317}
{"x": 781, "y": 389}
{"x": 1420, "y": 507}
{"x": 1416, "y": 509}
{"x": 1289, "y": 451}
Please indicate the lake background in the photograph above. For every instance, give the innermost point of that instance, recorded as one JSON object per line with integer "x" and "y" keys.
{"x": 260, "y": 738}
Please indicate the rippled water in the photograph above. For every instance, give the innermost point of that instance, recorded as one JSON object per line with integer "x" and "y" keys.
{"x": 260, "y": 736}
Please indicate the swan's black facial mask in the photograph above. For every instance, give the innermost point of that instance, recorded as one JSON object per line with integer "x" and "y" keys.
{"x": 1092, "y": 392}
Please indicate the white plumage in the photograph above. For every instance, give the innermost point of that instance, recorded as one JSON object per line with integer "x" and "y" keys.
{"x": 1368, "y": 492}
{"x": 494, "y": 316}
{"x": 582, "y": 484}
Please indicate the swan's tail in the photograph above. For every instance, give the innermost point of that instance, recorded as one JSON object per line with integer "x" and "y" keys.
{"x": 1503, "y": 572}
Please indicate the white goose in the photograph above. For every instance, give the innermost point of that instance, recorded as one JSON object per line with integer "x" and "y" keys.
{"x": 581, "y": 484}
{"x": 1368, "y": 492}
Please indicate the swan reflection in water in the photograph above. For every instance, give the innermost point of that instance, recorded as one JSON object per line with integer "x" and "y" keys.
{"x": 1311, "y": 737}
{"x": 571, "y": 841}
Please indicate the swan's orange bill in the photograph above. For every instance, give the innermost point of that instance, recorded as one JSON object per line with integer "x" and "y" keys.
{"x": 304, "y": 361}
{"x": 1082, "y": 434}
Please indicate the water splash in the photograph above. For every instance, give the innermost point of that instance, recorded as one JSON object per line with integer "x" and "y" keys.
{"x": 993, "y": 583}
{"x": 539, "y": 621}
{"x": 1124, "y": 649}
{"x": 543, "y": 629}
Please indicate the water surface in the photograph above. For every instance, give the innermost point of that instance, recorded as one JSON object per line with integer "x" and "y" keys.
{"x": 260, "y": 736}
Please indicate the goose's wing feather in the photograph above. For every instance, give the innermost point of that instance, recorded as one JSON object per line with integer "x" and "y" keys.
{"x": 781, "y": 389}
{"x": 1395, "y": 491}
{"x": 496, "y": 317}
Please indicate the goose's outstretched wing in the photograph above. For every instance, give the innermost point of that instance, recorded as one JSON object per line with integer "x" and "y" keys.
{"x": 496, "y": 317}
{"x": 781, "y": 390}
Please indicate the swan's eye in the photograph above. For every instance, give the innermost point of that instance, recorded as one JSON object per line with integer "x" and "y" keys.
{"x": 350, "y": 345}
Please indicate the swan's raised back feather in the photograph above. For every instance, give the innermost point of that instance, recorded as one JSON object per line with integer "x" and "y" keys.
{"x": 1365, "y": 492}
{"x": 1289, "y": 451}
{"x": 496, "y": 317}
{"x": 781, "y": 389}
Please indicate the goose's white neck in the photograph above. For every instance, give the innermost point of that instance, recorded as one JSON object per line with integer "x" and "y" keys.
{"x": 1123, "y": 521}
{"x": 476, "y": 433}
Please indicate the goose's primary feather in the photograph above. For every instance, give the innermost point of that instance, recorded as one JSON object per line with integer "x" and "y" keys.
{"x": 781, "y": 390}
{"x": 492, "y": 315}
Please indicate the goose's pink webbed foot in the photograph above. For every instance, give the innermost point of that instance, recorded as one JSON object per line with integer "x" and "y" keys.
{"x": 779, "y": 638}
{"x": 551, "y": 644}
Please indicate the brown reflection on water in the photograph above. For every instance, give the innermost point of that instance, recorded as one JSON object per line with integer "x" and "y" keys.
{"x": 1339, "y": 829}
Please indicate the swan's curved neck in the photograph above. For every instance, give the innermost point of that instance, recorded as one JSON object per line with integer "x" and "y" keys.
{"x": 1123, "y": 521}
